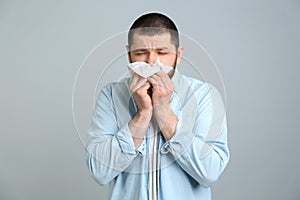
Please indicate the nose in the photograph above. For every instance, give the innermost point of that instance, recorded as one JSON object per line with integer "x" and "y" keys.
{"x": 151, "y": 58}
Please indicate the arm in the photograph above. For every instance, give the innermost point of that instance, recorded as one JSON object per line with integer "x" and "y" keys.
{"x": 162, "y": 91}
{"x": 199, "y": 144}
{"x": 139, "y": 123}
{"x": 110, "y": 149}
{"x": 197, "y": 137}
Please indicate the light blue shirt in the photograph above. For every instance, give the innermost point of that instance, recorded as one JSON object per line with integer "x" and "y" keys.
{"x": 189, "y": 163}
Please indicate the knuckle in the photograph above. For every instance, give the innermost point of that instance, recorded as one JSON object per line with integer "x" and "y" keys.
{"x": 139, "y": 92}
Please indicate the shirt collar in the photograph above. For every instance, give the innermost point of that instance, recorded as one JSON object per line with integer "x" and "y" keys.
{"x": 176, "y": 79}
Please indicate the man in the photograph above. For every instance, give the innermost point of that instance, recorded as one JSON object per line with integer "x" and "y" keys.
{"x": 162, "y": 136}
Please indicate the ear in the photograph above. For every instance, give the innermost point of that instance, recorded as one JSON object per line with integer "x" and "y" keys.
{"x": 128, "y": 53}
{"x": 179, "y": 54}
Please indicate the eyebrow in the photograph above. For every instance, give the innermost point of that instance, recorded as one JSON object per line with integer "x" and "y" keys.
{"x": 143, "y": 49}
{"x": 162, "y": 48}
{"x": 146, "y": 49}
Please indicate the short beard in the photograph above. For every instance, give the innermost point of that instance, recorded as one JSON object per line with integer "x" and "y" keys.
{"x": 171, "y": 73}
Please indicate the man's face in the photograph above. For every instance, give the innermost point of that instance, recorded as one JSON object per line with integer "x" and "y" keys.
{"x": 148, "y": 48}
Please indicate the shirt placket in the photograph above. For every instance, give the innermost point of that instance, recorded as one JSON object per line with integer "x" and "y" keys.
{"x": 153, "y": 161}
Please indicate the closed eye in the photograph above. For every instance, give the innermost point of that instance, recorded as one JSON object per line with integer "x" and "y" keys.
{"x": 139, "y": 53}
{"x": 163, "y": 53}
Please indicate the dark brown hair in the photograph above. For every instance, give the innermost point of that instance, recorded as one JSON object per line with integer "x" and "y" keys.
{"x": 153, "y": 24}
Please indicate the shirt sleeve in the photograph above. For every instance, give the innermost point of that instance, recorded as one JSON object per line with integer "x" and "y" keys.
{"x": 110, "y": 149}
{"x": 199, "y": 144}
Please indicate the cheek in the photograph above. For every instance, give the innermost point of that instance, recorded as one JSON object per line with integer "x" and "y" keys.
{"x": 167, "y": 60}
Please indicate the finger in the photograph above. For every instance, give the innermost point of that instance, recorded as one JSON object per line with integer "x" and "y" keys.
{"x": 133, "y": 81}
{"x": 146, "y": 86}
{"x": 140, "y": 83}
{"x": 159, "y": 83}
{"x": 164, "y": 77}
{"x": 143, "y": 90}
{"x": 161, "y": 73}
{"x": 153, "y": 82}
{"x": 156, "y": 79}
{"x": 156, "y": 87}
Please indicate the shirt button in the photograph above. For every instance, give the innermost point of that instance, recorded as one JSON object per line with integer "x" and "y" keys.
{"x": 139, "y": 153}
{"x": 164, "y": 149}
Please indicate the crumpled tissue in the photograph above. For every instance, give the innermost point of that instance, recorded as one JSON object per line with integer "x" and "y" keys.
{"x": 145, "y": 70}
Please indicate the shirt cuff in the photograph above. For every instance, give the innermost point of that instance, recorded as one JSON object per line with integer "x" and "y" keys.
{"x": 181, "y": 140}
{"x": 126, "y": 143}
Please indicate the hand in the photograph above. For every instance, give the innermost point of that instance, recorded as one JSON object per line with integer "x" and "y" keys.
{"x": 161, "y": 94}
{"x": 139, "y": 89}
{"x": 139, "y": 123}
{"x": 162, "y": 89}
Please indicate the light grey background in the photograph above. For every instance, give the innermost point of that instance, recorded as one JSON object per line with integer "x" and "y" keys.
{"x": 255, "y": 44}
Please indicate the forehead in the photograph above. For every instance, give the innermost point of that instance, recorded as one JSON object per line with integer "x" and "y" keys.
{"x": 156, "y": 41}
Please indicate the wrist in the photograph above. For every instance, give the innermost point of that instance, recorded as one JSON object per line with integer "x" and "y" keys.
{"x": 169, "y": 127}
{"x": 166, "y": 119}
{"x": 145, "y": 112}
{"x": 142, "y": 118}
{"x": 162, "y": 110}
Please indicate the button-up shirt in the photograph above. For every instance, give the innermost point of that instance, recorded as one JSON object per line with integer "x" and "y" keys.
{"x": 185, "y": 166}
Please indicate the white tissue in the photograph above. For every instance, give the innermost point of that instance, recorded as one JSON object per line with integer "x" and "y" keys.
{"x": 145, "y": 70}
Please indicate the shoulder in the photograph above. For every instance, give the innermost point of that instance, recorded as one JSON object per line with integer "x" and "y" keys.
{"x": 109, "y": 88}
{"x": 201, "y": 88}
{"x": 196, "y": 84}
